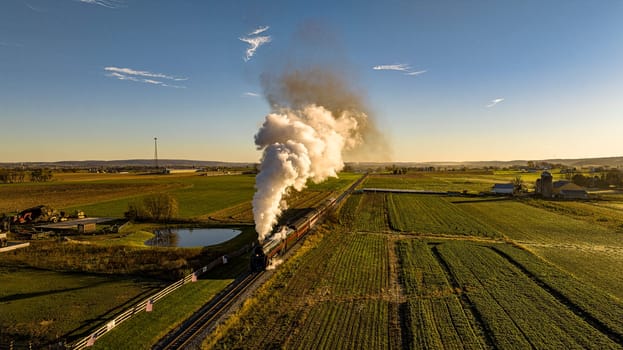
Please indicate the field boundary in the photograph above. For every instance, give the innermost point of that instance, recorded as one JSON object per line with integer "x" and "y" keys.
{"x": 561, "y": 298}
{"x": 152, "y": 299}
{"x": 468, "y": 304}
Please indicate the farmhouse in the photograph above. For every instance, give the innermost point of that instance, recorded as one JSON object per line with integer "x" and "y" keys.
{"x": 503, "y": 188}
{"x": 568, "y": 190}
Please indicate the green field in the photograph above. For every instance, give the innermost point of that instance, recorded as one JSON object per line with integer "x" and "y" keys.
{"x": 445, "y": 272}
{"x": 387, "y": 270}
{"x": 147, "y": 328}
{"x": 565, "y": 240}
{"x": 104, "y": 273}
{"x": 434, "y": 215}
{"x": 41, "y": 306}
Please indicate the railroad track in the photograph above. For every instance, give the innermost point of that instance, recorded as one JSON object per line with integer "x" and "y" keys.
{"x": 182, "y": 337}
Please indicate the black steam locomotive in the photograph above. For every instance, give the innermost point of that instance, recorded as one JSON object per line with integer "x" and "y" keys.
{"x": 283, "y": 238}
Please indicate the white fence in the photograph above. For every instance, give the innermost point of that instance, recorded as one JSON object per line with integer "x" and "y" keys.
{"x": 141, "y": 306}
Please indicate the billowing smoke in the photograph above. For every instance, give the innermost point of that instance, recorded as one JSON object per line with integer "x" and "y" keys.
{"x": 315, "y": 120}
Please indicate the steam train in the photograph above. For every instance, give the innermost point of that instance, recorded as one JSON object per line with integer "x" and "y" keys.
{"x": 286, "y": 236}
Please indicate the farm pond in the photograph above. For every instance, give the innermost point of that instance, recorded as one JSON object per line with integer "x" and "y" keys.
{"x": 191, "y": 237}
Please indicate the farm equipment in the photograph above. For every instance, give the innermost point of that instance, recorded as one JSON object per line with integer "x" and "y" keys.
{"x": 44, "y": 214}
{"x": 41, "y": 213}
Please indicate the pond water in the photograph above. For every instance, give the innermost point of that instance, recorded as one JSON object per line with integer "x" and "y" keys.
{"x": 191, "y": 237}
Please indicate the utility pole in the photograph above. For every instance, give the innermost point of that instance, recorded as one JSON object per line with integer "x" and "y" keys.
{"x": 156, "y": 152}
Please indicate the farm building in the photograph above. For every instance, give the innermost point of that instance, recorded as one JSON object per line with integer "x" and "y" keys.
{"x": 503, "y": 189}
{"x": 568, "y": 190}
{"x": 559, "y": 189}
{"x": 544, "y": 185}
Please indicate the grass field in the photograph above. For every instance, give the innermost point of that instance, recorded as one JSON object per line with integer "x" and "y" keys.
{"x": 387, "y": 270}
{"x": 434, "y": 215}
{"x": 39, "y": 303}
{"x": 42, "y": 306}
{"x": 109, "y": 194}
{"x": 569, "y": 241}
{"x": 145, "y": 329}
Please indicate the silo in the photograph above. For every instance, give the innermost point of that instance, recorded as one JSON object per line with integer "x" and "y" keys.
{"x": 547, "y": 187}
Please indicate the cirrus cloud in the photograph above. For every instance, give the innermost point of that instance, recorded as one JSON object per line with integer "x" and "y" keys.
{"x": 400, "y": 67}
{"x": 111, "y": 4}
{"x": 259, "y": 30}
{"x": 255, "y": 41}
{"x": 141, "y": 76}
{"x": 494, "y": 102}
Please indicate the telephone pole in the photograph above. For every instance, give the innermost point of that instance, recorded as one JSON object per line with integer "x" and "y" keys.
{"x": 156, "y": 152}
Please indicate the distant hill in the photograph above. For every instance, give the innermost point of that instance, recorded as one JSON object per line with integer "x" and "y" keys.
{"x": 615, "y": 162}
{"x": 128, "y": 163}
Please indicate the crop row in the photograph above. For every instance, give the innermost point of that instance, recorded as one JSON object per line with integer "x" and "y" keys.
{"x": 515, "y": 311}
{"x": 527, "y": 223}
{"x": 433, "y": 214}
{"x": 433, "y": 182}
{"x": 568, "y": 236}
{"x": 354, "y": 324}
{"x": 348, "y": 211}
{"x": 371, "y": 214}
{"x": 359, "y": 268}
{"x": 608, "y": 214}
{"x": 306, "y": 199}
{"x": 331, "y": 296}
{"x": 436, "y": 316}
{"x": 411, "y": 182}
{"x": 593, "y": 304}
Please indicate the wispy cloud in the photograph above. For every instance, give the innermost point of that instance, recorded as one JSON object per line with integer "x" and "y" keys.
{"x": 111, "y": 4}
{"x": 400, "y": 67}
{"x": 255, "y": 41}
{"x": 259, "y": 30}
{"x": 142, "y": 73}
{"x": 141, "y": 76}
{"x": 494, "y": 102}
{"x": 251, "y": 94}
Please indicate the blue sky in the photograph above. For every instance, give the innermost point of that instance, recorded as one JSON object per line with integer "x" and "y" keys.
{"x": 491, "y": 80}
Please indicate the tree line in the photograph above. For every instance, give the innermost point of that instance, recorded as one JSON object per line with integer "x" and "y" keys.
{"x": 610, "y": 178}
{"x": 8, "y": 176}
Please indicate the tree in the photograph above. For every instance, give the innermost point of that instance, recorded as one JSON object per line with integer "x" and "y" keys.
{"x": 518, "y": 185}
{"x": 40, "y": 175}
{"x": 156, "y": 207}
{"x": 580, "y": 180}
{"x": 614, "y": 177}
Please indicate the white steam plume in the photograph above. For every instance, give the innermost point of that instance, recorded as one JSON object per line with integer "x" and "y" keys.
{"x": 299, "y": 144}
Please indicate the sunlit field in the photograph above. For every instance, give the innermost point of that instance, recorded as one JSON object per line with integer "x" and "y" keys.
{"x": 435, "y": 271}
{"x": 96, "y": 276}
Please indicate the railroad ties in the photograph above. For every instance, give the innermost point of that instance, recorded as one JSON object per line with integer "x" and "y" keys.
{"x": 205, "y": 317}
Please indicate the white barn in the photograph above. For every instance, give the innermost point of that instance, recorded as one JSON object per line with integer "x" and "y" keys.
{"x": 503, "y": 189}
